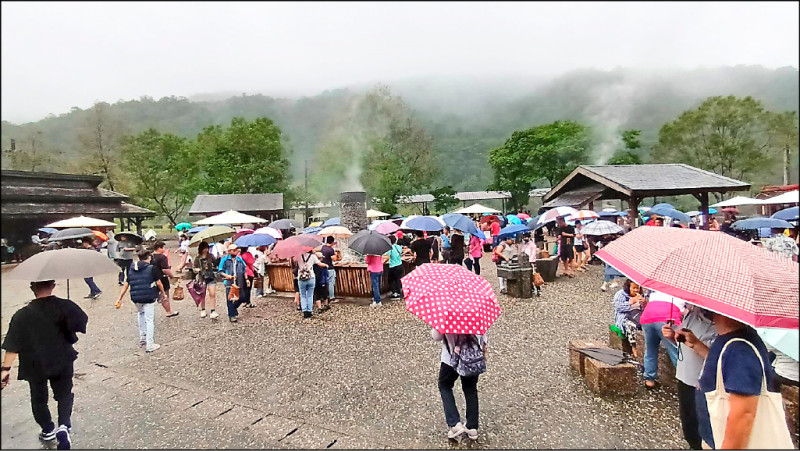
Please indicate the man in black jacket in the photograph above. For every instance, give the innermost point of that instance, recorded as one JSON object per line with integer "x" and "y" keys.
{"x": 42, "y": 334}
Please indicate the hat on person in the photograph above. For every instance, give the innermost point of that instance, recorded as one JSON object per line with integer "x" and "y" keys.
{"x": 232, "y": 246}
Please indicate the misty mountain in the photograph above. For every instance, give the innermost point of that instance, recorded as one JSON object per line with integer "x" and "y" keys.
{"x": 467, "y": 117}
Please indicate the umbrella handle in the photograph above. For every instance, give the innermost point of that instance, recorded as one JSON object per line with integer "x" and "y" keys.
{"x": 67, "y": 288}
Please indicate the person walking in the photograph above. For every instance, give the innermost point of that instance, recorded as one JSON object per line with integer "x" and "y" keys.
{"x": 469, "y": 385}
{"x": 495, "y": 232}
{"x": 306, "y": 281}
{"x": 566, "y": 235}
{"x": 186, "y": 257}
{"x": 394, "y": 258}
{"x": 375, "y": 269}
{"x": 581, "y": 248}
{"x": 233, "y": 270}
{"x": 125, "y": 253}
{"x": 206, "y": 273}
{"x": 42, "y": 334}
{"x": 144, "y": 281}
{"x": 94, "y": 290}
{"x": 161, "y": 261}
{"x": 112, "y": 249}
{"x": 330, "y": 255}
{"x": 473, "y": 261}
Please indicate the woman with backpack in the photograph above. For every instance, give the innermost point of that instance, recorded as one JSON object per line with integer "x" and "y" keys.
{"x": 306, "y": 280}
{"x": 462, "y": 356}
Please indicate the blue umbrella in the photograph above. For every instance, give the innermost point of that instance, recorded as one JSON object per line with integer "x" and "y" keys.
{"x": 255, "y": 240}
{"x": 663, "y": 205}
{"x": 787, "y": 214}
{"x": 671, "y": 213}
{"x": 513, "y": 230}
{"x": 312, "y": 230}
{"x": 426, "y": 223}
{"x": 332, "y": 222}
{"x": 50, "y": 230}
{"x": 761, "y": 223}
{"x": 197, "y": 229}
{"x": 513, "y": 219}
{"x": 460, "y": 222}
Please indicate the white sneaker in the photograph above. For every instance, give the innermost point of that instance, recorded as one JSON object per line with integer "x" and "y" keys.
{"x": 214, "y": 315}
{"x": 202, "y": 313}
{"x": 153, "y": 348}
{"x": 472, "y": 434}
{"x": 456, "y": 431}
{"x": 604, "y": 286}
{"x": 374, "y": 304}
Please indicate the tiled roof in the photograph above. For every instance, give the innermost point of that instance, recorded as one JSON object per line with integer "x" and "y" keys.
{"x": 218, "y": 203}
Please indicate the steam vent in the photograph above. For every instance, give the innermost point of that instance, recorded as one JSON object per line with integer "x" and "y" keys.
{"x": 353, "y": 210}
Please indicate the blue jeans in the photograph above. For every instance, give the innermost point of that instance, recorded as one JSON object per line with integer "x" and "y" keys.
{"x": 375, "y": 279}
{"x": 652, "y": 342}
{"x": 307, "y": 293}
{"x": 145, "y": 317}
{"x": 93, "y": 288}
{"x": 331, "y": 283}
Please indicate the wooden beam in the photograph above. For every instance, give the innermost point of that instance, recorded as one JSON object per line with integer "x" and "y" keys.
{"x": 704, "y": 210}
{"x": 633, "y": 211}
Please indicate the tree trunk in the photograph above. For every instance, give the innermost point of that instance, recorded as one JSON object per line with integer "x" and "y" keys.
{"x": 786, "y": 165}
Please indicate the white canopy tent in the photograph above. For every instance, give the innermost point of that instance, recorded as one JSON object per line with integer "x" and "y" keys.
{"x": 476, "y": 209}
{"x": 790, "y": 197}
{"x": 81, "y": 221}
{"x": 376, "y": 214}
{"x": 231, "y": 217}
{"x": 736, "y": 201}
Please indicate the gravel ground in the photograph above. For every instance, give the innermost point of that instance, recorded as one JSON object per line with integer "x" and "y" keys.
{"x": 352, "y": 377}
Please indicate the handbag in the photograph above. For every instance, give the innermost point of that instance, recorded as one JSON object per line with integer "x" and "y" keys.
{"x": 233, "y": 295}
{"x": 197, "y": 290}
{"x": 769, "y": 426}
{"x": 258, "y": 282}
{"x": 538, "y": 281}
{"x": 177, "y": 294}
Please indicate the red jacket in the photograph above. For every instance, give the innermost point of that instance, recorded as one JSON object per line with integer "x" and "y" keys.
{"x": 249, "y": 260}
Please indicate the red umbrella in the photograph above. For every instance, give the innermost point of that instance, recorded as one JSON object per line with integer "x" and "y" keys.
{"x": 523, "y": 216}
{"x": 713, "y": 270}
{"x": 100, "y": 235}
{"x": 295, "y": 246}
{"x": 489, "y": 219}
{"x": 241, "y": 232}
{"x": 450, "y": 299}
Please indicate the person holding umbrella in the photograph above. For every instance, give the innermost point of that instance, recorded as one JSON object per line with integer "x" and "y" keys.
{"x": 94, "y": 290}
{"x": 42, "y": 335}
{"x": 306, "y": 280}
{"x": 124, "y": 260}
{"x": 161, "y": 261}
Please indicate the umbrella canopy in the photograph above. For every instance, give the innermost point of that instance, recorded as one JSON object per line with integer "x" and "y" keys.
{"x": 583, "y": 215}
{"x": 553, "y": 213}
{"x": 463, "y": 223}
{"x": 129, "y": 237}
{"x": 150, "y": 234}
{"x": 183, "y": 226}
{"x": 285, "y": 224}
{"x": 670, "y": 213}
{"x": 738, "y": 200}
{"x": 784, "y": 340}
{"x": 376, "y": 223}
{"x": 231, "y": 217}
{"x": 476, "y": 209}
{"x": 488, "y": 219}
{"x": 370, "y": 242}
{"x": 376, "y": 214}
{"x": 240, "y": 233}
{"x": 386, "y": 228}
{"x": 787, "y": 214}
{"x": 48, "y": 230}
{"x": 513, "y": 219}
{"x": 523, "y": 216}
{"x": 534, "y": 224}
{"x": 790, "y": 197}
{"x": 270, "y": 231}
{"x": 450, "y": 299}
{"x": 513, "y": 230}
{"x": 212, "y": 234}
{"x": 425, "y": 223}
{"x": 602, "y": 227}
{"x": 663, "y": 205}
{"x": 255, "y": 240}
{"x": 312, "y": 230}
{"x": 197, "y": 229}
{"x": 63, "y": 264}
{"x": 71, "y": 234}
{"x": 336, "y": 231}
{"x": 81, "y": 221}
{"x": 694, "y": 213}
{"x": 100, "y": 235}
{"x": 761, "y": 223}
{"x": 315, "y": 224}
{"x": 745, "y": 282}
{"x": 332, "y": 221}
{"x": 295, "y": 246}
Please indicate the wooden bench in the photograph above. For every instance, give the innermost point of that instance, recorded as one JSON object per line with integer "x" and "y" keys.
{"x": 600, "y": 377}
{"x": 666, "y": 371}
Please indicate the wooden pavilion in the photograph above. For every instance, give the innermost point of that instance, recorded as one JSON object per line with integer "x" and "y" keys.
{"x": 633, "y": 183}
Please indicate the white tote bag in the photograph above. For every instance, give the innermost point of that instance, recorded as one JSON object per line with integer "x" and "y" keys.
{"x": 769, "y": 428}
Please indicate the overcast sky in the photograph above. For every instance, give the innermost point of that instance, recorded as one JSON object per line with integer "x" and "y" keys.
{"x": 59, "y": 55}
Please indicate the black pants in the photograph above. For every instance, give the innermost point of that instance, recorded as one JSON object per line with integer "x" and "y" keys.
{"x": 124, "y": 266}
{"x": 447, "y": 378}
{"x": 688, "y": 412}
{"x": 62, "y": 393}
{"x": 472, "y": 262}
{"x": 395, "y": 274}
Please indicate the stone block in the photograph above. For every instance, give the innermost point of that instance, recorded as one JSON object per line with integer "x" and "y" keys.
{"x": 607, "y": 379}
{"x": 617, "y": 342}
{"x": 791, "y": 404}
{"x": 576, "y": 359}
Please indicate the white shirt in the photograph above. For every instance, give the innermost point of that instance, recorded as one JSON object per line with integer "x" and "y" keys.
{"x": 784, "y": 365}
{"x": 483, "y": 340}
{"x": 218, "y": 250}
{"x": 185, "y": 246}
{"x": 688, "y": 369}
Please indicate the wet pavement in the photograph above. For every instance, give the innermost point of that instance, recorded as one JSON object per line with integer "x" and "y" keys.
{"x": 352, "y": 377}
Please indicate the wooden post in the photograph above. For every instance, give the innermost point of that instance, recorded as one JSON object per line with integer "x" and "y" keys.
{"x": 504, "y": 206}
{"x": 633, "y": 211}
{"x": 591, "y": 205}
{"x": 703, "y": 197}
{"x": 138, "y": 226}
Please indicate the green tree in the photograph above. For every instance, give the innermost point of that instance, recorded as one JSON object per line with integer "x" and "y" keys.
{"x": 163, "y": 171}
{"x": 444, "y": 199}
{"x": 34, "y": 154}
{"x": 245, "y": 158}
{"x": 726, "y": 135}
{"x": 784, "y": 130}
{"x": 99, "y": 139}
{"x": 548, "y": 152}
{"x": 628, "y": 155}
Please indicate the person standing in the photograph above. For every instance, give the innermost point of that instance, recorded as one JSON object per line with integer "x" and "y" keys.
{"x": 330, "y": 255}
{"x": 495, "y": 231}
{"x": 659, "y": 309}
{"x": 42, "y": 335}
{"x": 206, "y": 272}
{"x": 473, "y": 262}
{"x": 456, "y": 247}
{"x": 504, "y": 252}
{"x": 375, "y": 269}
{"x": 421, "y": 249}
{"x": 233, "y": 270}
{"x": 394, "y": 258}
{"x": 161, "y": 261}
{"x": 250, "y": 275}
{"x": 94, "y": 290}
{"x": 306, "y": 280}
{"x": 446, "y": 247}
{"x": 124, "y": 259}
{"x": 566, "y": 236}
{"x": 144, "y": 281}
{"x": 582, "y": 253}
{"x": 260, "y": 269}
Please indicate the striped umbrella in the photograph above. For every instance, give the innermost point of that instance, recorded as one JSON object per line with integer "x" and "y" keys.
{"x": 583, "y": 215}
{"x": 602, "y": 227}
{"x": 745, "y": 282}
{"x": 553, "y": 213}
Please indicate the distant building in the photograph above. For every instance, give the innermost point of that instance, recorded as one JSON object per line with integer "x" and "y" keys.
{"x": 267, "y": 206}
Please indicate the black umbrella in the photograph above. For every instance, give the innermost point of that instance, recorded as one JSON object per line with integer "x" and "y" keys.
{"x": 285, "y": 224}
{"x": 532, "y": 224}
{"x": 370, "y": 242}
{"x": 71, "y": 234}
{"x": 129, "y": 237}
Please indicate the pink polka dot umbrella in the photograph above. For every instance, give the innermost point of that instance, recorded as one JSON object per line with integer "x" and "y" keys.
{"x": 451, "y": 299}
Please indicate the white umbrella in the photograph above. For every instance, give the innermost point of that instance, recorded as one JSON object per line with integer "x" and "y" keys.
{"x": 553, "y": 213}
{"x": 275, "y": 233}
{"x": 738, "y": 200}
{"x": 476, "y": 209}
{"x": 81, "y": 221}
{"x": 231, "y": 217}
{"x": 150, "y": 234}
{"x": 336, "y": 232}
{"x": 790, "y": 197}
{"x": 375, "y": 213}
